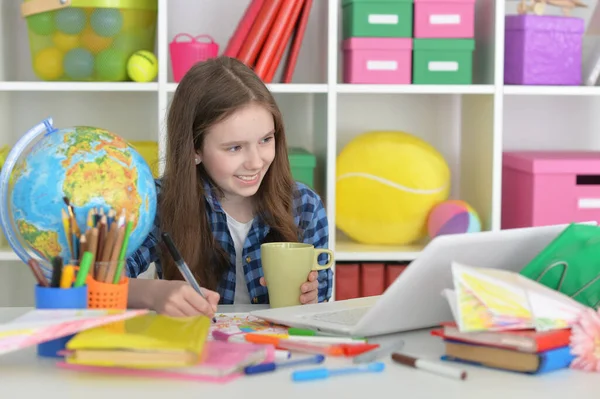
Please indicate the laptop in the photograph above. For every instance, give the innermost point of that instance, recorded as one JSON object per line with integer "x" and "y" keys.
{"x": 414, "y": 300}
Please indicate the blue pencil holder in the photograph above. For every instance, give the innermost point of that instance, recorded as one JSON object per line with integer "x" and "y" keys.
{"x": 58, "y": 298}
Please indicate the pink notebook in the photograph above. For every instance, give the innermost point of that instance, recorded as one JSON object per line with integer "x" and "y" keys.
{"x": 224, "y": 362}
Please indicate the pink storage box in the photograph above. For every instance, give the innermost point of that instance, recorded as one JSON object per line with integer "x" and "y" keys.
{"x": 383, "y": 60}
{"x": 441, "y": 19}
{"x": 550, "y": 187}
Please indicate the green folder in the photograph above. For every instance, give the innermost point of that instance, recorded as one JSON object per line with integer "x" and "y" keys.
{"x": 570, "y": 264}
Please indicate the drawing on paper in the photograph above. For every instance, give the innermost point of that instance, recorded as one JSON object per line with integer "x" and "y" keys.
{"x": 242, "y": 323}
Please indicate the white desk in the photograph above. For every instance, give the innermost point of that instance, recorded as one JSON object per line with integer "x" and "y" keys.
{"x": 24, "y": 375}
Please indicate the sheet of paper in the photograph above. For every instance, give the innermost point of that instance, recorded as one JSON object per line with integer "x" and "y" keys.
{"x": 242, "y": 323}
{"x": 25, "y": 332}
{"x": 497, "y": 300}
{"x": 48, "y": 317}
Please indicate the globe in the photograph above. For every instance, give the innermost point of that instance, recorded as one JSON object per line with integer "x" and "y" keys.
{"x": 88, "y": 168}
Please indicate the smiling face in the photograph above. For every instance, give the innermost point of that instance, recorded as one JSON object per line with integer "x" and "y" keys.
{"x": 238, "y": 151}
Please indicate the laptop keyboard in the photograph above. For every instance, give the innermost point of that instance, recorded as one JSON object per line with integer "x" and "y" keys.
{"x": 347, "y": 317}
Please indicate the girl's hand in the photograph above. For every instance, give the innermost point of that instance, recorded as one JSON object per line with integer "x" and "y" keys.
{"x": 309, "y": 289}
{"x": 178, "y": 299}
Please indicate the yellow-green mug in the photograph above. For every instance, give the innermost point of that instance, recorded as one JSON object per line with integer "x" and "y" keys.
{"x": 286, "y": 266}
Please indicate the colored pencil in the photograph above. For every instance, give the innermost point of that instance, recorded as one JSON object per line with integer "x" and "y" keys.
{"x": 121, "y": 259}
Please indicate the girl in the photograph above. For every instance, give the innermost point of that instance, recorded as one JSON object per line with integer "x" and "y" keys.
{"x": 226, "y": 189}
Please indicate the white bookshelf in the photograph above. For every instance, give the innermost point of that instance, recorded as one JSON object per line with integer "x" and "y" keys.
{"x": 470, "y": 125}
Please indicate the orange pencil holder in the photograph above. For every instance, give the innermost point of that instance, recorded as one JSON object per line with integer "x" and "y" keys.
{"x": 102, "y": 294}
{"x": 107, "y": 296}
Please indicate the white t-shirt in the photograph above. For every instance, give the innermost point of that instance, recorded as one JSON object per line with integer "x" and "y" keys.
{"x": 239, "y": 232}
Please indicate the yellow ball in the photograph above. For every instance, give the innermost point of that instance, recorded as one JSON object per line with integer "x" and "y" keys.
{"x": 142, "y": 66}
{"x": 65, "y": 42}
{"x": 94, "y": 42}
{"x": 387, "y": 183}
{"x": 48, "y": 64}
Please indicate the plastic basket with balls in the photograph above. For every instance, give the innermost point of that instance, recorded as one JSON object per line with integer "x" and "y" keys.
{"x": 88, "y": 40}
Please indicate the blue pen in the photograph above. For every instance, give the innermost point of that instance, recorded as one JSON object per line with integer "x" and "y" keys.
{"x": 183, "y": 267}
{"x": 322, "y": 373}
{"x": 265, "y": 367}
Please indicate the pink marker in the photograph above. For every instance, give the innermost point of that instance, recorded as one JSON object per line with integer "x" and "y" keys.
{"x": 221, "y": 336}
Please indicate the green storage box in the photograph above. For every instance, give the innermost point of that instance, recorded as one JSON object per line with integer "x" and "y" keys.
{"x": 377, "y": 18}
{"x": 303, "y": 165}
{"x": 443, "y": 61}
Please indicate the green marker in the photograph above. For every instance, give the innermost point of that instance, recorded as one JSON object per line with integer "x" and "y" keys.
{"x": 301, "y": 331}
{"x": 311, "y": 333}
{"x": 84, "y": 269}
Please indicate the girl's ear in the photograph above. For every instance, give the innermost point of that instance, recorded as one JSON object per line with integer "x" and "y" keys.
{"x": 197, "y": 159}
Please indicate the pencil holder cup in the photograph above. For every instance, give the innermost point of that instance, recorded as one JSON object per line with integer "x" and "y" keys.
{"x": 103, "y": 295}
{"x": 102, "y": 292}
{"x": 58, "y": 298}
{"x": 184, "y": 54}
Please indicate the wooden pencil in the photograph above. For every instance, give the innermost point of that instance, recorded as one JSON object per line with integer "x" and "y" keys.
{"x": 114, "y": 257}
{"x": 93, "y": 246}
{"x": 109, "y": 243}
{"x": 102, "y": 231}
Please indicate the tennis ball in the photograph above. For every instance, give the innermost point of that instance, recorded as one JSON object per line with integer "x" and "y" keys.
{"x": 48, "y": 64}
{"x": 142, "y": 66}
{"x": 387, "y": 183}
{"x": 111, "y": 65}
{"x": 70, "y": 20}
{"x": 65, "y": 42}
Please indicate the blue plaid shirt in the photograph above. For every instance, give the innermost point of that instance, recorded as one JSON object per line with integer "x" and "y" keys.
{"x": 309, "y": 215}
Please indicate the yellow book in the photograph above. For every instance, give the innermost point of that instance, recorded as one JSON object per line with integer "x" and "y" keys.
{"x": 148, "y": 341}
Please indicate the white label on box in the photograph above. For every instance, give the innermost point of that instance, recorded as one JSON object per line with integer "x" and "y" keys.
{"x": 444, "y": 19}
{"x": 589, "y": 203}
{"x": 382, "y": 65}
{"x": 383, "y": 19}
{"x": 446, "y": 66}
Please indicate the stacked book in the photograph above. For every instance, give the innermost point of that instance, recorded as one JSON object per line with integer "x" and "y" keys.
{"x": 525, "y": 351}
{"x": 507, "y": 321}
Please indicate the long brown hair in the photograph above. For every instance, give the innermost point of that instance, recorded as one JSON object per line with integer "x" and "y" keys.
{"x": 210, "y": 92}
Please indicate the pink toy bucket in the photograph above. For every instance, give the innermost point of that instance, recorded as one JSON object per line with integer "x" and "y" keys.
{"x": 184, "y": 54}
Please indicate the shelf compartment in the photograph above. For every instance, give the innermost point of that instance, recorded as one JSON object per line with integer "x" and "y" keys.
{"x": 484, "y": 35}
{"x": 541, "y": 122}
{"x": 460, "y": 127}
{"x": 128, "y": 115}
{"x": 212, "y": 18}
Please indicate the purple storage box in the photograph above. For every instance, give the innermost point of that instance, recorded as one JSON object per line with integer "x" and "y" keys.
{"x": 543, "y": 50}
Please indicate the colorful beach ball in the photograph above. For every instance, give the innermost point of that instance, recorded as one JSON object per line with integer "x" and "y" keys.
{"x": 452, "y": 217}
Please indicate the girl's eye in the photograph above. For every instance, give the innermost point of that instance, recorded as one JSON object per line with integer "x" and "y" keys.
{"x": 234, "y": 149}
{"x": 267, "y": 139}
